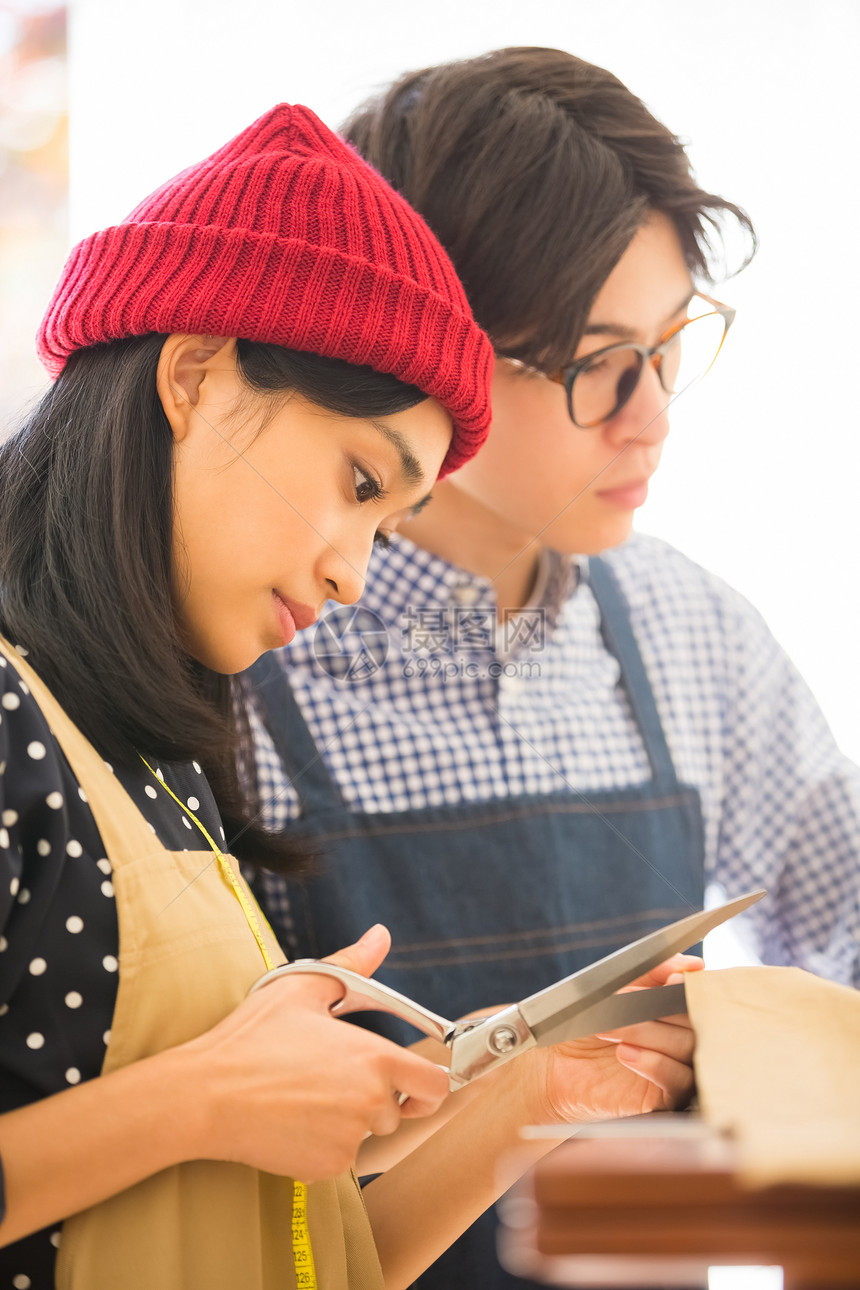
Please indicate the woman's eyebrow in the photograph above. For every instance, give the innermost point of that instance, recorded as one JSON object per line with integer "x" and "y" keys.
{"x": 410, "y": 466}
{"x": 628, "y": 333}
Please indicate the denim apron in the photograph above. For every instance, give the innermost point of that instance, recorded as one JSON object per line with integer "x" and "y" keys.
{"x": 490, "y": 901}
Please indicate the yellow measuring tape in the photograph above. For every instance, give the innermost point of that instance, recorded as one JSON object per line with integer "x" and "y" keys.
{"x": 306, "y": 1277}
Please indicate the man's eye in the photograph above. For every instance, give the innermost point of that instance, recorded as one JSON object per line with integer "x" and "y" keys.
{"x": 381, "y": 539}
{"x": 367, "y": 489}
{"x": 592, "y": 369}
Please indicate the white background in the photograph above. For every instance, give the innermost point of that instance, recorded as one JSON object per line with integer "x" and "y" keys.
{"x": 761, "y": 475}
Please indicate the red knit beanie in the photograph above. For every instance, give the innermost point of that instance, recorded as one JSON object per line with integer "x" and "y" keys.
{"x": 284, "y": 235}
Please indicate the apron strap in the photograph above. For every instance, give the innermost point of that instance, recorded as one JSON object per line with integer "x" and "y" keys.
{"x": 302, "y": 760}
{"x": 305, "y": 764}
{"x": 618, "y": 636}
{"x": 123, "y": 830}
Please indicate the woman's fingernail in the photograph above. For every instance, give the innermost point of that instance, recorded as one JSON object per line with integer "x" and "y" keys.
{"x": 371, "y": 933}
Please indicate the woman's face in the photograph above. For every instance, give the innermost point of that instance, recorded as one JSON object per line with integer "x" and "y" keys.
{"x": 577, "y": 490}
{"x": 270, "y": 523}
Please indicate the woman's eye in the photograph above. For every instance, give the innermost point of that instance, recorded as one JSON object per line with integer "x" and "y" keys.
{"x": 367, "y": 489}
{"x": 381, "y": 539}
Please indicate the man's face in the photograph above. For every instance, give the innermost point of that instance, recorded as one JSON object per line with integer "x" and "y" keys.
{"x": 578, "y": 490}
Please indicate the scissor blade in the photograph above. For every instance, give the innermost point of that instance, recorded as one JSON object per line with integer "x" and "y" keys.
{"x": 548, "y": 1012}
{"x": 618, "y": 1010}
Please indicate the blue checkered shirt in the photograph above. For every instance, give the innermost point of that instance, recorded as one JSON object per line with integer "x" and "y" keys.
{"x": 422, "y": 699}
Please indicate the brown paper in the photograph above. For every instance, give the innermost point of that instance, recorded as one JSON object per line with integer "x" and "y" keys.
{"x": 778, "y": 1063}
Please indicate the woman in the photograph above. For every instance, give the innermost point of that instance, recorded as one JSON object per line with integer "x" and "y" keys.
{"x": 248, "y": 386}
{"x": 556, "y": 752}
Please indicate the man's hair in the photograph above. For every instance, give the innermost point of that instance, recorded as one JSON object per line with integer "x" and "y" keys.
{"x": 535, "y": 170}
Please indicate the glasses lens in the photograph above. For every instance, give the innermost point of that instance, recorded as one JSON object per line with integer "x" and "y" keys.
{"x": 601, "y": 387}
{"x": 691, "y": 351}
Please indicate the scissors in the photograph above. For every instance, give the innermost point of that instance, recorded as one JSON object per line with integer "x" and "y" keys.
{"x": 583, "y": 1003}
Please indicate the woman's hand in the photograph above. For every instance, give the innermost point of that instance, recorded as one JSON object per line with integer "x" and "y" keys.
{"x": 646, "y": 1067}
{"x": 291, "y": 1089}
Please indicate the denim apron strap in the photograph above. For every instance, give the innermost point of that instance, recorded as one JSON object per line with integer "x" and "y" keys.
{"x": 490, "y": 900}
{"x": 621, "y": 643}
{"x": 303, "y": 761}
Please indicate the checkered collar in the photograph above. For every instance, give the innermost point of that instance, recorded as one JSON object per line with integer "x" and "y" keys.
{"x": 405, "y": 576}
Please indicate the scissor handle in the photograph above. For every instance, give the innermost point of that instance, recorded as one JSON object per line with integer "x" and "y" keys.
{"x": 360, "y": 993}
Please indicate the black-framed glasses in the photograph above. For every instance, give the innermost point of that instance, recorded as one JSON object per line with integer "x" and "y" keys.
{"x": 599, "y": 384}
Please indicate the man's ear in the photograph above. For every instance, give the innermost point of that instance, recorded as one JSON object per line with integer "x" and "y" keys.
{"x": 194, "y": 372}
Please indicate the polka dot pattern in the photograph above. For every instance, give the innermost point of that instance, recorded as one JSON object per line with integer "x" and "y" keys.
{"x": 59, "y": 952}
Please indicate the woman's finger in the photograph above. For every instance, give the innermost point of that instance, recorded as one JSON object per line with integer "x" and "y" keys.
{"x": 672, "y": 1036}
{"x": 366, "y": 954}
{"x": 386, "y": 1119}
{"x": 675, "y": 1079}
{"x": 364, "y": 957}
{"x": 661, "y": 974}
{"x": 423, "y": 1087}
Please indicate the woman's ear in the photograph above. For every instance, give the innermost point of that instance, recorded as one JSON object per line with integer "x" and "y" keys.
{"x": 194, "y": 375}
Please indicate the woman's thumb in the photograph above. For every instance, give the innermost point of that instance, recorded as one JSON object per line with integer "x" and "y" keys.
{"x": 366, "y": 954}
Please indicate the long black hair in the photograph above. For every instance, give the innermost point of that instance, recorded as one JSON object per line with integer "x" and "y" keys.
{"x": 86, "y": 525}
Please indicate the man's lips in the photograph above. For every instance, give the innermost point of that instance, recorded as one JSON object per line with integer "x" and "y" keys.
{"x": 628, "y": 496}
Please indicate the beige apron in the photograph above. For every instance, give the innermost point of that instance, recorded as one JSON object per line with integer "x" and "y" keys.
{"x": 187, "y": 957}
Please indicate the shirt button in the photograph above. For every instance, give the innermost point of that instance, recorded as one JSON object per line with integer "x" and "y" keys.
{"x": 466, "y": 595}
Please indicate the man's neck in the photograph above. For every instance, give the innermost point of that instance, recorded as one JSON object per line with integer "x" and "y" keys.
{"x": 461, "y": 530}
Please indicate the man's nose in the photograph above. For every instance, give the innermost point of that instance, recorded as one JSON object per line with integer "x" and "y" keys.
{"x": 644, "y": 416}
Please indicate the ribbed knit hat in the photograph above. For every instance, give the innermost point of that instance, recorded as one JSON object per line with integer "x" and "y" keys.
{"x": 284, "y": 235}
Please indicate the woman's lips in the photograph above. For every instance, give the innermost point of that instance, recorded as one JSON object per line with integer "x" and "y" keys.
{"x": 292, "y": 616}
{"x": 627, "y": 496}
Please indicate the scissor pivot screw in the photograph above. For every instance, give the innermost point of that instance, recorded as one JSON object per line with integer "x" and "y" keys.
{"x": 503, "y": 1039}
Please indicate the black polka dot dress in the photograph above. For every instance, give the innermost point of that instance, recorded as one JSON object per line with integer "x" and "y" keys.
{"x": 58, "y": 921}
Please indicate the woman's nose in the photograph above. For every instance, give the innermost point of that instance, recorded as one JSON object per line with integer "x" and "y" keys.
{"x": 644, "y": 416}
{"x": 343, "y": 574}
